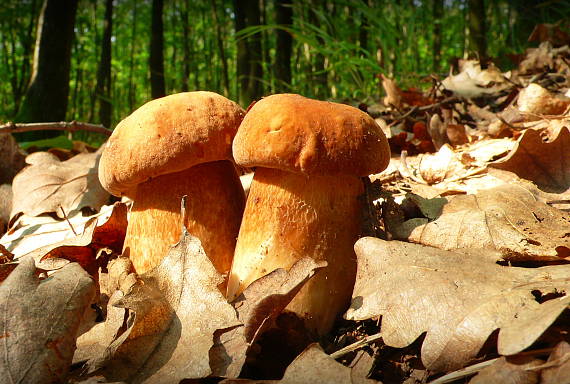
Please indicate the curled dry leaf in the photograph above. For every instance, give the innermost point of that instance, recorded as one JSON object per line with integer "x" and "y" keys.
{"x": 314, "y": 366}
{"x": 545, "y": 163}
{"x": 444, "y": 164}
{"x": 507, "y": 218}
{"x": 48, "y": 185}
{"x": 558, "y": 371}
{"x": 43, "y": 233}
{"x": 39, "y": 334}
{"x": 260, "y": 303}
{"x": 174, "y": 311}
{"x": 509, "y": 371}
{"x": 458, "y": 299}
{"x": 535, "y": 100}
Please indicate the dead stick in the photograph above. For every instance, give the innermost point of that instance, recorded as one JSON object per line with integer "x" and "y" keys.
{"x": 357, "y": 345}
{"x": 72, "y": 126}
{"x": 449, "y": 100}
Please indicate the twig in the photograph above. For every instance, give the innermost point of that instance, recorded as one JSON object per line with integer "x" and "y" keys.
{"x": 68, "y": 222}
{"x": 449, "y": 100}
{"x": 72, "y": 126}
{"x": 357, "y": 345}
{"x": 473, "y": 369}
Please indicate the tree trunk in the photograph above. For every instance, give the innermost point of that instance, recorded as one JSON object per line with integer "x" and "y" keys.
{"x": 363, "y": 31}
{"x": 437, "y": 12}
{"x": 249, "y": 55}
{"x": 156, "y": 60}
{"x": 185, "y": 46}
{"x": 319, "y": 70}
{"x": 103, "y": 87}
{"x": 478, "y": 29}
{"x": 132, "y": 58}
{"x": 48, "y": 90}
{"x": 284, "y": 45}
{"x": 221, "y": 50}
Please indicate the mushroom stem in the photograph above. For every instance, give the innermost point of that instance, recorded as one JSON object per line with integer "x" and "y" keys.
{"x": 213, "y": 214}
{"x": 289, "y": 216}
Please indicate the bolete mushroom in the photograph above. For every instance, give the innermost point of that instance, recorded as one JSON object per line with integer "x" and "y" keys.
{"x": 174, "y": 146}
{"x": 309, "y": 156}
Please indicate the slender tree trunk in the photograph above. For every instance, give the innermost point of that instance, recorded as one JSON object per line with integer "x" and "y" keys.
{"x": 363, "y": 31}
{"x": 437, "y": 12}
{"x": 156, "y": 60}
{"x": 221, "y": 50}
{"x": 284, "y": 45}
{"x": 132, "y": 58}
{"x": 249, "y": 55}
{"x": 478, "y": 29}
{"x": 319, "y": 70}
{"x": 103, "y": 87}
{"x": 48, "y": 90}
{"x": 185, "y": 46}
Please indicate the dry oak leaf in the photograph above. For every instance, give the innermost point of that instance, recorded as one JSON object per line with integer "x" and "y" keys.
{"x": 257, "y": 306}
{"x": 313, "y": 366}
{"x": 48, "y": 185}
{"x": 509, "y": 371}
{"x": 41, "y": 320}
{"x": 173, "y": 312}
{"x": 558, "y": 371}
{"x": 457, "y": 298}
{"x": 43, "y": 234}
{"x": 547, "y": 164}
{"x": 507, "y": 218}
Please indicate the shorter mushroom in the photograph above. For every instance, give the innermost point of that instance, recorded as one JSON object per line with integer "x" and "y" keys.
{"x": 174, "y": 146}
{"x": 303, "y": 201}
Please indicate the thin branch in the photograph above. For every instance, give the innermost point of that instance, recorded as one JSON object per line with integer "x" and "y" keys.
{"x": 357, "y": 345}
{"x": 423, "y": 108}
{"x": 72, "y": 126}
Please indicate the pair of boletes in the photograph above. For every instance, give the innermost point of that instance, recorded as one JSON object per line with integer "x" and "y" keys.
{"x": 309, "y": 157}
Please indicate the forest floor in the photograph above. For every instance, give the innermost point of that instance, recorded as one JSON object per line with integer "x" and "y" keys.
{"x": 463, "y": 271}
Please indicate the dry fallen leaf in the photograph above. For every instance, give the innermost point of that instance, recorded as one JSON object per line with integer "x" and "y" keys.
{"x": 43, "y": 233}
{"x": 435, "y": 168}
{"x": 257, "y": 306}
{"x": 313, "y": 366}
{"x": 507, "y": 218}
{"x": 509, "y": 371}
{"x": 458, "y": 298}
{"x": 174, "y": 311}
{"x": 545, "y": 163}
{"x": 48, "y": 185}
{"x": 559, "y": 372}
{"x": 40, "y": 322}
{"x": 535, "y": 100}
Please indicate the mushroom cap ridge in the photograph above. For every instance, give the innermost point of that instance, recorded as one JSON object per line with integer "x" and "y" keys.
{"x": 168, "y": 135}
{"x": 301, "y": 135}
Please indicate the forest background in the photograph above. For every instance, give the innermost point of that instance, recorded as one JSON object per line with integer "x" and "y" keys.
{"x": 98, "y": 60}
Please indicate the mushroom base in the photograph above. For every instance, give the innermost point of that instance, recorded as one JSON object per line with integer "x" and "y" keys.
{"x": 289, "y": 216}
{"x": 213, "y": 213}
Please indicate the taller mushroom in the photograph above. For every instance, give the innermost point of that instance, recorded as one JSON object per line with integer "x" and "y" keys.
{"x": 174, "y": 146}
{"x": 309, "y": 157}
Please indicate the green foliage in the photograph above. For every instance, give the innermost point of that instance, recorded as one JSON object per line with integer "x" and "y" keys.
{"x": 339, "y": 46}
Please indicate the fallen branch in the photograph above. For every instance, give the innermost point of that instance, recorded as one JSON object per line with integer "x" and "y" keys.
{"x": 72, "y": 126}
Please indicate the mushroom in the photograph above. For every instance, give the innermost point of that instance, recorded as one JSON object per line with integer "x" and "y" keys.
{"x": 310, "y": 156}
{"x": 170, "y": 147}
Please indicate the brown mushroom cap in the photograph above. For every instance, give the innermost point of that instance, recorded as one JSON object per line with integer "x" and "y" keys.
{"x": 296, "y": 134}
{"x": 168, "y": 135}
